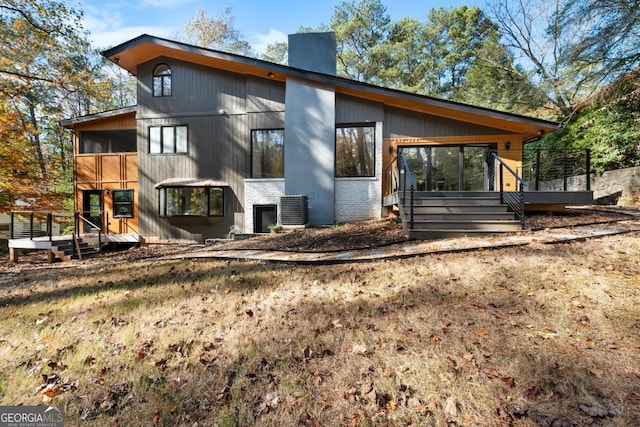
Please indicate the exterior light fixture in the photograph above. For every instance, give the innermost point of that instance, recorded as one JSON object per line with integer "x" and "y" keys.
{"x": 508, "y": 145}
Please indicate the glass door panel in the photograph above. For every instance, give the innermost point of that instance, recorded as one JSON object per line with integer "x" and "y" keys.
{"x": 92, "y": 209}
{"x": 445, "y": 169}
{"x": 475, "y": 173}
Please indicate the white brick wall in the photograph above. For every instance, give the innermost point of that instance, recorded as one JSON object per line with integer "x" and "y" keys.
{"x": 358, "y": 199}
{"x": 260, "y": 192}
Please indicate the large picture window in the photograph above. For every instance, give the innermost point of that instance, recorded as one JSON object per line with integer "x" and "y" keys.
{"x": 162, "y": 80}
{"x": 191, "y": 201}
{"x": 355, "y": 151}
{"x": 267, "y": 153}
{"x": 168, "y": 139}
{"x": 122, "y": 203}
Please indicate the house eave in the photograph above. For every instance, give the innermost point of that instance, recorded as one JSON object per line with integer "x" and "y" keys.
{"x": 144, "y": 48}
{"x": 75, "y": 121}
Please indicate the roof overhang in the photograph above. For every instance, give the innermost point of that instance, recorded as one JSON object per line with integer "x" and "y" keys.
{"x": 145, "y": 48}
{"x": 190, "y": 182}
{"x": 92, "y": 118}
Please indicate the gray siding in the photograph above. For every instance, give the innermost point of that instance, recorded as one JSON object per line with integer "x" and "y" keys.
{"x": 403, "y": 123}
{"x": 355, "y": 110}
{"x": 218, "y": 147}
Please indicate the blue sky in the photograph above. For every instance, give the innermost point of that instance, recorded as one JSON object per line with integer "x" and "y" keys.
{"x": 111, "y": 22}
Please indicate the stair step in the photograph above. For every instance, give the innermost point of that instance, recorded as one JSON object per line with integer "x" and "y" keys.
{"x": 488, "y": 225}
{"x": 457, "y": 209}
{"x": 459, "y": 216}
{"x": 446, "y": 233}
{"x": 454, "y": 201}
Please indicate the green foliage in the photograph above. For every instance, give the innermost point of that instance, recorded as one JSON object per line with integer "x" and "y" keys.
{"x": 608, "y": 126}
{"x": 362, "y": 32}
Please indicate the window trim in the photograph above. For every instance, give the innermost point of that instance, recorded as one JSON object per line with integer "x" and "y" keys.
{"x": 113, "y": 202}
{"x": 175, "y": 139}
{"x": 372, "y": 126}
{"x": 253, "y": 176}
{"x": 162, "y": 76}
{"x": 162, "y": 200}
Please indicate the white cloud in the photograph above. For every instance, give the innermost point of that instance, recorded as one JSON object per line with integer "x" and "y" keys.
{"x": 98, "y": 20}
{"x": 106, "y": 39}
{"x": 261, "y": 41}
{"x": 107, "y": 26}
{"x": 163, "y": 3}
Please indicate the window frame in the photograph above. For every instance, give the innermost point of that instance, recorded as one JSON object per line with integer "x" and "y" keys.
{"x": 162, "y": 78}
{"x": 371, "y": 126}
{"x": 208, "y": 205}
{"x": 115, "y": 203}
{"x": 253, "y": 162}
{"x": 176, "y": 141}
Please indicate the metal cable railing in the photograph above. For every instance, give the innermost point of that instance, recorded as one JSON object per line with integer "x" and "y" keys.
{"x": 407, "y": 178}
{"x": 514, "y": 199}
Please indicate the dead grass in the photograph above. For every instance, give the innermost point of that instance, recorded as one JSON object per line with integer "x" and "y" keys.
{"x": 526, "y": 336}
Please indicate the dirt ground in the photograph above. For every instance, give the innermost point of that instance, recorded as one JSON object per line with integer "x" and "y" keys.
{"x": 349, "y": 236}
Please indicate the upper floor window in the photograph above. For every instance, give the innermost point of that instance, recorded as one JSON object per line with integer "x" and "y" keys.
{"x": 162, "y": 80}
{"x": 355, "y": 151}
{"x": 107, "y": 141}
{"x": 167, "y": 139}
{"x": 267, "y": 153}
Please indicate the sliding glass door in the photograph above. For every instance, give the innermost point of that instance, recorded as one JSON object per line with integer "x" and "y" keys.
{"x": 449, "y": 168}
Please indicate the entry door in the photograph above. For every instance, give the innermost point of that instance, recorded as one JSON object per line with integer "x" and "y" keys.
{"x": 92, "y": 209}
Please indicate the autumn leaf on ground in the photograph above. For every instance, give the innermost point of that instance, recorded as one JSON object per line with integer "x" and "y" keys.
{"x": 50, "y": 391}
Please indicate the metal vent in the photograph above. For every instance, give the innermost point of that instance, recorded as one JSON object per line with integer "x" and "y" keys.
{"x": 293, "y": 210}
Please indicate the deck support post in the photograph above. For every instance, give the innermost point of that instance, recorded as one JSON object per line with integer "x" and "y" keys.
{"x": 14, "y": 254}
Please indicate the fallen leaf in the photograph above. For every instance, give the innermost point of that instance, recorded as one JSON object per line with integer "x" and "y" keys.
{"x": 50, "y": 391}
{"x": 359, "y": 349}
{"x": 509, "y": 381}
{"x": 596, "y": 372}
{"x": 451, "y": 407}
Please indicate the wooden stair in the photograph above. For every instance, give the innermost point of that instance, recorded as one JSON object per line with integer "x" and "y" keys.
{"x": 456, "y": 214}
{"x": 63, "y": 249}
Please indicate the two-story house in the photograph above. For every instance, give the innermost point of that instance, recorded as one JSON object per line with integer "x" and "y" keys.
{"x": 219, "y": 141}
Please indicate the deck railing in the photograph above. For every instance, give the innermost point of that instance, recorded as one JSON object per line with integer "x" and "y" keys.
{"x": 556, "y": 169}
{"x": 54, "y": 226}
{"x": 500, "y": 173}
{"x": 407, "y": 184}
{"x": 34, "y": 224}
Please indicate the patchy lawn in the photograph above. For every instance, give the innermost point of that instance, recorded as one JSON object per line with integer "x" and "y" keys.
{"x": 536, "y": 335}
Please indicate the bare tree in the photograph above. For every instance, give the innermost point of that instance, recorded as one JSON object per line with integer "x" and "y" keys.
{"x": 542, "y": 41}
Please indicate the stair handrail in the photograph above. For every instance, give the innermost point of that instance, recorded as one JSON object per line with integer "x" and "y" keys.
{"x": 412, "y": 185}
{"x": 76, "y": 234}
{"x": 515, "y": 202}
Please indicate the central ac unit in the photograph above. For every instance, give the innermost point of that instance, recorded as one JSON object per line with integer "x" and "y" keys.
{"x": 293, "y": 210}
